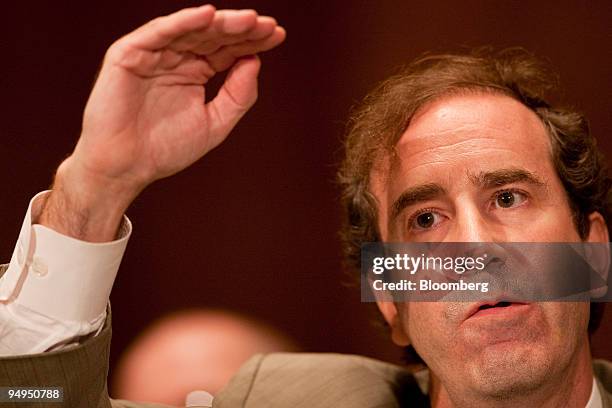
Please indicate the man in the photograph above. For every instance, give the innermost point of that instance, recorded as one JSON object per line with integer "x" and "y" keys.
{"x": 455, "y": 149}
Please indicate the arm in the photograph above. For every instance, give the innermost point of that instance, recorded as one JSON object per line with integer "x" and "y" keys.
{"x": 148, "y": 117}
{"x": 145, "y": 118}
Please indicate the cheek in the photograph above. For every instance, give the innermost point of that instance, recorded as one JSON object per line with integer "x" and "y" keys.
{"x": 550, "y": 224}
{"x": 556, "y": 223}
{"x": 429, "y": 328}
{"x": 557, "y": 227}
{"x": 567, "y": 319}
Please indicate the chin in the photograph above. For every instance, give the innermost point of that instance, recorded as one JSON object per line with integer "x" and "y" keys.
{"x": 506, "y": 369}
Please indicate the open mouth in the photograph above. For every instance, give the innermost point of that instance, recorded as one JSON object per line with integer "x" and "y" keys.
{"x": 498, "y": 304}
{"x": 497, "y": 307}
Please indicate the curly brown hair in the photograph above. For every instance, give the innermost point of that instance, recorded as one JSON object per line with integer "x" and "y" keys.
{"x": 376, "y": 125}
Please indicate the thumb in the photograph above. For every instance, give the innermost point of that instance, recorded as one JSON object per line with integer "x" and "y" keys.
{"x": 236, "y": 96}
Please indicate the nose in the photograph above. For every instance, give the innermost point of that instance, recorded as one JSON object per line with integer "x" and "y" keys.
{"x": 469, "y": 225}
{"x": 482, "y": 239}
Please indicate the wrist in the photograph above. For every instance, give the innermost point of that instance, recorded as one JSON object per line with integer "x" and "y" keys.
{"x": 85, "y": 205}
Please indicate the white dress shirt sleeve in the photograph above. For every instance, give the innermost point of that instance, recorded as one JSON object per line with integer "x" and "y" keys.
{"x": 56, "y": 288}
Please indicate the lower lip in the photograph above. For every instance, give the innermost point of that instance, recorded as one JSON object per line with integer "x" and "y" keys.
{"x": 501, "y": 311}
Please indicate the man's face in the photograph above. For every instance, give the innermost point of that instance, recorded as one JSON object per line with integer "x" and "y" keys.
{"x": 477, "y": 168}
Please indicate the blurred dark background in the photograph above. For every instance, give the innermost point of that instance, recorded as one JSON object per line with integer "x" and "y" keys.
{"x": 253, "y": 227}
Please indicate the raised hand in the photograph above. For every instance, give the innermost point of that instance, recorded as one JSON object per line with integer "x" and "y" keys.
{"x": 148, "y": 115}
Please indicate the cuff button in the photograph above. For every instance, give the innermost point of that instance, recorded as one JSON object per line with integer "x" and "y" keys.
{"x": 38, "y": 267}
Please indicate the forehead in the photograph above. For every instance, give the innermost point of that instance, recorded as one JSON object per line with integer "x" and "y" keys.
{"x": 461, "y": 135}
{"x": 472, "y": 125}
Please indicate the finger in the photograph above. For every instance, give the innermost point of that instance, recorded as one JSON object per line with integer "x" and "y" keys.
{"x": 227, "y": 26}
{"x": 235, "y": 21}
{"x": 265, "y": 27}
{"x": 226, "y": 56}
{"x": 161, "y": 31}
{"x": 236, "y": 96}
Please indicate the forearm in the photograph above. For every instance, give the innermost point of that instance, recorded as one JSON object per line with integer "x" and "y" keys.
{"x": 84, "y": 205}
{"x": 55, "y": 288}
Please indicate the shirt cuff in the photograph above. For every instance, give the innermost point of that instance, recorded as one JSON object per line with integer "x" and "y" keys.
{"x": 58, "y": 276}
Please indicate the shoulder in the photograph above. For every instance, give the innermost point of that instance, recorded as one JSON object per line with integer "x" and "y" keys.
{"x": 320, "y": 380}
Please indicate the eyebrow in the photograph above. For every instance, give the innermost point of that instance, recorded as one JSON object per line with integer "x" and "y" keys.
{"x": 502, "y": 177}
{"x": 414, "y": 195}
{"x": 486, "y": 180}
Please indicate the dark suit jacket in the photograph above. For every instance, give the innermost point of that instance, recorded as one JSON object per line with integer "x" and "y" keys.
{"x": 277, "y": 380}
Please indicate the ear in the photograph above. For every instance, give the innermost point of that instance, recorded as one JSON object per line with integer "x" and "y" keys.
{"x": 599, "y": 255}
{"x": 598, "y": 230}
{"x": 391, "y": 315}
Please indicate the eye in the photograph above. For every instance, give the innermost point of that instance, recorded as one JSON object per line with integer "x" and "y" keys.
{"x": 424, "y": 220}
{"x": 509, "y": 198}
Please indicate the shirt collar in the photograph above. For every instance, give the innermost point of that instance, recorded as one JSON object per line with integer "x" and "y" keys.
{"x": 595, "y": 398}
{"x": 595, "y": 401}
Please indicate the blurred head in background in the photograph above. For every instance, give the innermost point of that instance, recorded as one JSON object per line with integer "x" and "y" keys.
{"x": 191, "y": 350}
